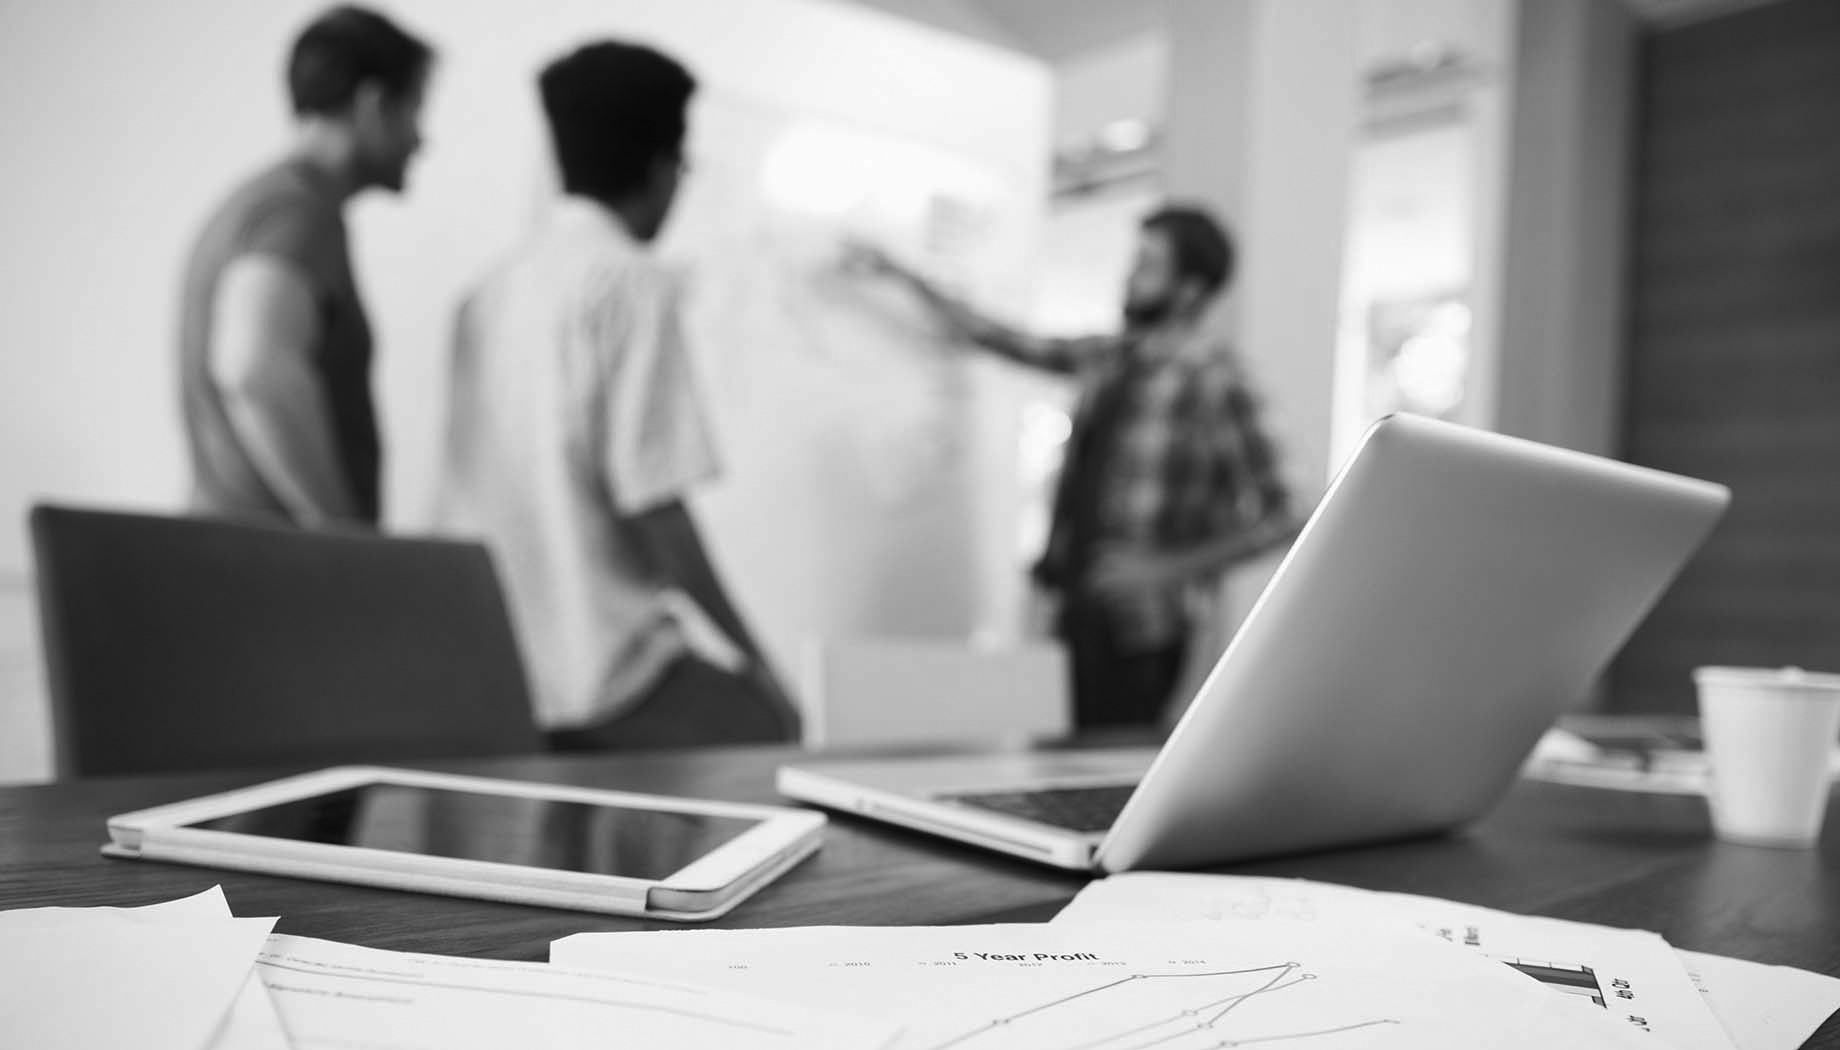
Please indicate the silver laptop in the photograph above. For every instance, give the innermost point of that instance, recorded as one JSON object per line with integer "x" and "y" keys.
{"x": 1453, "y": 591}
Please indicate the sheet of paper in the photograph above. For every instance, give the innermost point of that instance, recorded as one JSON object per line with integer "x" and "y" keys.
{"x": 339, "y": 997}
{"x": 252, "y": 1023}
{"x": 1115, "y": 986}
{"x": 1630, "y": 974}
{"x": 1764, "y": 1007}
{"x": 76, "y": 978}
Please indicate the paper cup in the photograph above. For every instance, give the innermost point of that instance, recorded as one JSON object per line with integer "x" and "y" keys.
{"x": 1769, "y": 735}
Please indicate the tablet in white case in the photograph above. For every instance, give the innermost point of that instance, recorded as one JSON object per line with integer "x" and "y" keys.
{"x": 620, "y": 853}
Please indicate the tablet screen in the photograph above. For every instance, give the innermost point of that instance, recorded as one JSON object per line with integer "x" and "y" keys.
{"x": 544, "y": 833}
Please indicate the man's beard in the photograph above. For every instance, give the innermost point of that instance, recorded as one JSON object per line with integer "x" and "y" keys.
{"x": 1147, "y": 313}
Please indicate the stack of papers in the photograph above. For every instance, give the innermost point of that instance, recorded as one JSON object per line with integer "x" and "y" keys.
{"x": 1125, "y": 986}
{"x": 1692, "y": 1001}
{"x": 177, "y": 976}
{"x": 1196, "y": 962}
{"x": 187, "y": 976}
{"x": 1136, "y": 962}
{"x": 338, "y": 997}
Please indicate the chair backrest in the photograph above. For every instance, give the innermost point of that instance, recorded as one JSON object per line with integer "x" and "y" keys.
{"x": 910, "y": 691}
{"x": 186, "y": 643}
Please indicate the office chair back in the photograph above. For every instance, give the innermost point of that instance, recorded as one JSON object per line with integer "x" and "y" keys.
{"x": 923, "y": 691}
{"x": 184, "y": 643}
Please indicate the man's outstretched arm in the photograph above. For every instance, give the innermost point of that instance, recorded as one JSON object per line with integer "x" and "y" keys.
{"x": 1048, "y": 353}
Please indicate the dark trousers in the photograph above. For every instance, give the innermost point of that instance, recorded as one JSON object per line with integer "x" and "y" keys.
{"x": 1116, "y": 684}
{"x": 691, "y": 705}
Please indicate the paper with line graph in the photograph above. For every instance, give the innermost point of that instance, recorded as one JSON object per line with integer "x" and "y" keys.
{"x": 1283, "y": 986}
{"x": 1631, "y": 975}
{"x": 341, "y": 997}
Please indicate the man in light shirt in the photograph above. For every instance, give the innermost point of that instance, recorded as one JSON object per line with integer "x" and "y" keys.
{"x": 576, "y": 432}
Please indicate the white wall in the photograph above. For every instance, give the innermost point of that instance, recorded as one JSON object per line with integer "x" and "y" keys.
{"x": 1393, "y": 31}
{"x": 102, "y": 184}
{"x": 25, "y": 730}
{"x": 1124, "y": 80}
{"x": 1208, "y": 105}
{"x": 1411, "y": 238}
{"x": 966, "y": 18}
{"x": 1264, "y": 99}
{"x": 1426, "y": 194}
{"x": 126, "y": 122}
{"x": 1086, "y": 254}
{"x": 1549, "y": 118}
{"x": 1565, "y": 253}
{"x": 1262, "y": 107}
{"x": 1088, "y": 240}
{"x": 1305, "y": 106}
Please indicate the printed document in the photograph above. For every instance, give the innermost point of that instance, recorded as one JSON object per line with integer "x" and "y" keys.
{"x": 252, "y": 1023}
{"x": 1116, "y": 986}
{"x": 337, "y": 997}
{"x": 1764, "y": 1007}
{"x": 169, "y": 977}
{"x": 1631, "y": 975}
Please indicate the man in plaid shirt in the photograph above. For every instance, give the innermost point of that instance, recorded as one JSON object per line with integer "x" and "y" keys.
{"x": 1169, "y": 479}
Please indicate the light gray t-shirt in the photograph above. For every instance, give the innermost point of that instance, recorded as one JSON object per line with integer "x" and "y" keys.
{"x": 289, "y": 212}
{"x": 573, "y": 408}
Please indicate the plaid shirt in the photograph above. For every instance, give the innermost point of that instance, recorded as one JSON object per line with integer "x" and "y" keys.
{"x": 1167, "y": 453}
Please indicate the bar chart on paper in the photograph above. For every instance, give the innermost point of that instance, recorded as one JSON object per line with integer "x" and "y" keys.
{"x": 1118, "y": 987}
{"x": 1632, "y": 977}
{"x": 1569, "y": 980}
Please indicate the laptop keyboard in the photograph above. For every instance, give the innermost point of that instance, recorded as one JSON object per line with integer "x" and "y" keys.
{"x": 1091, "y": 808}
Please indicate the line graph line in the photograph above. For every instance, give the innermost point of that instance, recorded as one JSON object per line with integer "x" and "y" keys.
{"x": 1272, "y": 985}
{"x": 592, "y": 1000}
{"x": 1227, "y": 1004}
{"x": 1291, "y": 1036}
{"x": 1106, "y": 987}
{"x": 1276, "y": 984}
{"x": 1199, "y": 1020}
{"x": 1140, "y": 1029}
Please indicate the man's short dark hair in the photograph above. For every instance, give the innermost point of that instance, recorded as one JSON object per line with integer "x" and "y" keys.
{"x": 1203, "y": 248}
{"x": 614, "y": 110}
{"x": 347, "y": 47}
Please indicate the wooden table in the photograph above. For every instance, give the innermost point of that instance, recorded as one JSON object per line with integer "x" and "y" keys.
{"x": 1644, "y": 861}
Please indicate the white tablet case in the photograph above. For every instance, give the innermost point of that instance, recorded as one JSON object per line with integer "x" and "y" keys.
{"x": 159, "y": 834}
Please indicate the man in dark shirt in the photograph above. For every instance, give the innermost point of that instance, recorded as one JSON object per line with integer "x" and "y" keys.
{"x": 1169, "y": 478}
{"x": 274, "y": 344}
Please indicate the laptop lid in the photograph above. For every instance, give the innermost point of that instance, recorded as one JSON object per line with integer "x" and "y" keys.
{"x": 1452, "y": 593}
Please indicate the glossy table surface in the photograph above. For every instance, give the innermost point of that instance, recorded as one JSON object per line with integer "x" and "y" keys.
{"x": 1624, "y": 859}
